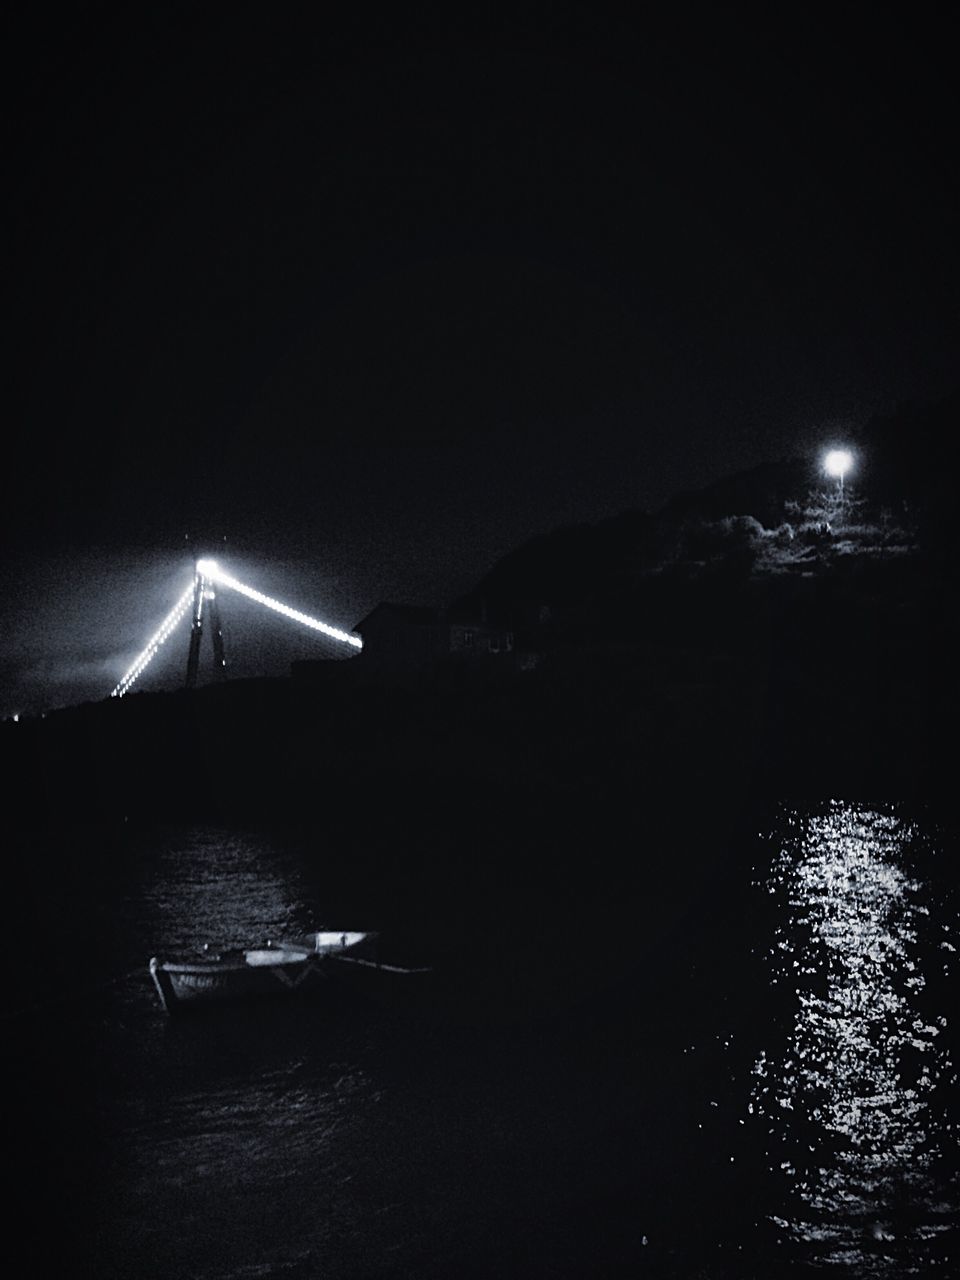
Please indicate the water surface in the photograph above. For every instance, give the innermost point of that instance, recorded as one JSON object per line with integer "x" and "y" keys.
{"x": 856, "y": 1087}
{"x": 768, "y": 1088}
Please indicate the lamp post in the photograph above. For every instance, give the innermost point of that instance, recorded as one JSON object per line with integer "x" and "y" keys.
{"x": 837, "y": 463}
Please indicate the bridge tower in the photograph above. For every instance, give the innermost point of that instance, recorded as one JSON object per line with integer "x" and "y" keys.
{"x": 205, "y": 612}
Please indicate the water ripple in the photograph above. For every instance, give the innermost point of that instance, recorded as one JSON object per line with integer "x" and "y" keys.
{"x": 855, "y": 1099}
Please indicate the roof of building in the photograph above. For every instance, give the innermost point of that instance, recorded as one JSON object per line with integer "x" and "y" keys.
{"x": 413, "y": 614}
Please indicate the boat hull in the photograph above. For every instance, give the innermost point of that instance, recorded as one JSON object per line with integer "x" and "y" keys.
{"x": 184, "y": 985}
{"x": 299, "y": 966}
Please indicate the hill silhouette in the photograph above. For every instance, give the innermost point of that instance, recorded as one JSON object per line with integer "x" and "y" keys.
{"x": 741, "y": 603}
{"x": 734, "y": 649}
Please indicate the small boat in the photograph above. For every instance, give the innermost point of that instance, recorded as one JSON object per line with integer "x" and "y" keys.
{"x": 286, "y": 967}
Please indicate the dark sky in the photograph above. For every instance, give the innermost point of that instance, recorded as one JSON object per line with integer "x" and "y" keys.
{"x": 377, "y": 302}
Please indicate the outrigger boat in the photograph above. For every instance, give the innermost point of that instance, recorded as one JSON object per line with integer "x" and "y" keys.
{"x": 271, "y": 969}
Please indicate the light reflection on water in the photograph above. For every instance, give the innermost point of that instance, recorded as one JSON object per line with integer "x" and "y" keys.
{"x": 366, "y": 1139}
{"x": 225, "y": 888}
{"x": 855, "y": 1101}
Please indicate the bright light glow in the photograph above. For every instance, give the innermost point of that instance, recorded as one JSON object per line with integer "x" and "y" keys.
{"x": 210, "y": 570}
{"x": 154, "y": 643}
{"x": 837, "y": 463}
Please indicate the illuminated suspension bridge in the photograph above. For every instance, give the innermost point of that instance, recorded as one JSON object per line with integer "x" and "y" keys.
{"x": 200, "y": 599}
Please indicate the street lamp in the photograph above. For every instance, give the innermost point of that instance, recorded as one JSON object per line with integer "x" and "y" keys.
{"x": 837, "y": 463}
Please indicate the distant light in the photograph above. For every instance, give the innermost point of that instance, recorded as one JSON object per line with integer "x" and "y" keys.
{"x": 16, "y": 717}
{"x": 837, "y": 463}
{"x": 208, "y": 568}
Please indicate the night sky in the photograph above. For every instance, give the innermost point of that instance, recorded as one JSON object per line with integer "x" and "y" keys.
{"x": 377, "y": 302}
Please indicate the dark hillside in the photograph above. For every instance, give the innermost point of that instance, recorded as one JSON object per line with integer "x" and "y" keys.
{"x": 670, "y": 699}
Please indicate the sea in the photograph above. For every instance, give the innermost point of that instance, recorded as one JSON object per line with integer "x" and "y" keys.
{"x": 765, "y": 1084}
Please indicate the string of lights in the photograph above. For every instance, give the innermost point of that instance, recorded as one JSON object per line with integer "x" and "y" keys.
{"x": 156, "y": 640}
{"x": 209, "y": 570}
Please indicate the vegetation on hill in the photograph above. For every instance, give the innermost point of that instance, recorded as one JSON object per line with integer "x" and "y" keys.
{"x": 782, "y": 518}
